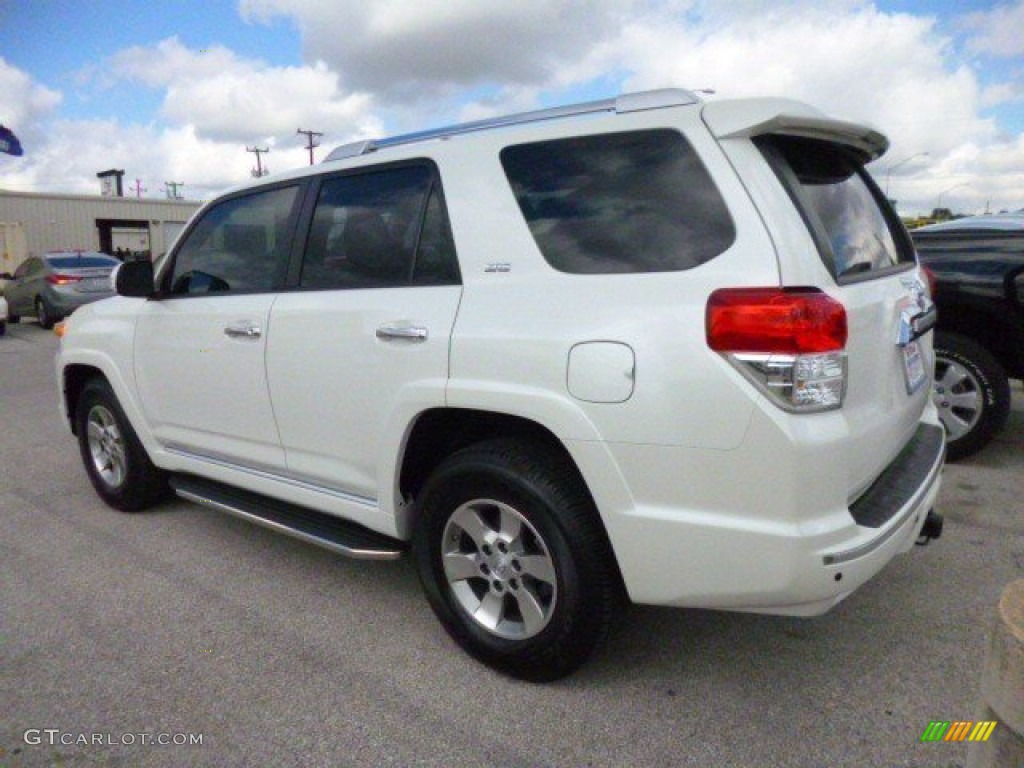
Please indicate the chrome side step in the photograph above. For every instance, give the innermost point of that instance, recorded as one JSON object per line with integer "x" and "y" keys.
{"x": 327, "y": 531}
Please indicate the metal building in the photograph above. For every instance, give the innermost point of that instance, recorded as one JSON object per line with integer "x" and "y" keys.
{"x": 33, "y": 223}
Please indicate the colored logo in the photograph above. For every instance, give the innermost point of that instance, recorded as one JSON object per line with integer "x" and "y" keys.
{"x": 958, "y": 730}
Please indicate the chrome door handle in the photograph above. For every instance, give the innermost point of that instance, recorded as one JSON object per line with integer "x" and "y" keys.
{"x": 243, "y": 331}
{"x": 406, "y": 332}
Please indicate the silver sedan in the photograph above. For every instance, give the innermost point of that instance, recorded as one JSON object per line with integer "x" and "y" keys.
{"x": 52, "y": 286}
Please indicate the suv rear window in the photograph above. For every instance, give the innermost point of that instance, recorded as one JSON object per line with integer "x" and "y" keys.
{"x": 624, "y": 202}
{"x": 856, "y": 230}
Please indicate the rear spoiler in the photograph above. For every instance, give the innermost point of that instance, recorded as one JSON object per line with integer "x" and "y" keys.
{"x": 747, "y": 118}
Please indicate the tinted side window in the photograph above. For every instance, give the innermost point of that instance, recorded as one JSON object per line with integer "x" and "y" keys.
{"x": 239, "y": 246}
{"x": 375, "y": 230}
{"x": 623, "y": 202}
{"x": 436, "y": 263}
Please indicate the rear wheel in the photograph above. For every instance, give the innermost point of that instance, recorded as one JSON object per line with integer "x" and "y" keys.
{"x": 971, "y": 392}
{"x": 114, "y": 459}
{"x": 514, "y": 560}
{"x": 44, "y": 315}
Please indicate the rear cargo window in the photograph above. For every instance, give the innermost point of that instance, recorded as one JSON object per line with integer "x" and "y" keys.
{"x": 623, "y": 202}
{"x": 856, "y": 231}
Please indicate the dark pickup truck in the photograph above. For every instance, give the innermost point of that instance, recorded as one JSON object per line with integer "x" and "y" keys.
{"x": 978, "y": 268}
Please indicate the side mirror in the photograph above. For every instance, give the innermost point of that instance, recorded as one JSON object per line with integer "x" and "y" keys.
{"x": 133, "y": 278}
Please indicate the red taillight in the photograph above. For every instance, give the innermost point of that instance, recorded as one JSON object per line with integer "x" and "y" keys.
{"x": 58, "y": 279}
{"x": 791, "y": 321}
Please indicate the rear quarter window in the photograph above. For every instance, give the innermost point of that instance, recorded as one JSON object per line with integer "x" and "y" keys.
{"x": 640, "y": 201}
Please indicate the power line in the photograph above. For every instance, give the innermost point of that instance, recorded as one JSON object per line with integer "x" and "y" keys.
{"x": 310, "y": 141}
{"x": 259, "y": 170}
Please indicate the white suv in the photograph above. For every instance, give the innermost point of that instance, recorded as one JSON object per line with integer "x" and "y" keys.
{"x": 647, "y": 348}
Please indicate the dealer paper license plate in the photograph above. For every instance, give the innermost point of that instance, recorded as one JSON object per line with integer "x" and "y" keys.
{"x": 913, "y": 367}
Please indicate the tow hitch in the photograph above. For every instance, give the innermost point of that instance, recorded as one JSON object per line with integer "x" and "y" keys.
{"x": 932, "y": 528}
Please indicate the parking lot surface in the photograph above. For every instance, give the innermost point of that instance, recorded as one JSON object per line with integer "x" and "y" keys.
{"x": 118, "y": 629}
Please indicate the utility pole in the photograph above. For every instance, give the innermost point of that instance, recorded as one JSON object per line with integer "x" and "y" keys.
{"x": 311, "y": 142}
{"x": 259, "y": 170}
{"x": 172, "y": 189}
{"x": 138, "y": 189}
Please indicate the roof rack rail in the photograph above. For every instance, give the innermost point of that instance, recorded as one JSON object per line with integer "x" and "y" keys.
{"x": 630, "y": 102}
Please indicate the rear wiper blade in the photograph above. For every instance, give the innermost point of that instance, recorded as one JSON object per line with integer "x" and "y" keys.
{"x": 863, "y": 266}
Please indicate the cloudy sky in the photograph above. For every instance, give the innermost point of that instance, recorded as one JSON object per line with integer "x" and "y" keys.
{"x": 176, "y": 91}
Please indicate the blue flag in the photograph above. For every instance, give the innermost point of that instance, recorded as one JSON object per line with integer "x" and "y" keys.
{"x": 9, "y": 142}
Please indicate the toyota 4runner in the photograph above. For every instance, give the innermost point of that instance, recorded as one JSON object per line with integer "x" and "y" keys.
{"x": 648, "y": 348}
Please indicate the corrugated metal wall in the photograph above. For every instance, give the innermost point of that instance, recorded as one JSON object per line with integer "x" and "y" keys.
{"x": 57, "y": 222}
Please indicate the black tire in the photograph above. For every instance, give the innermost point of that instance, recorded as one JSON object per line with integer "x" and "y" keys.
{"x": 3, "y": 327}
{"x": 130, "y": 484}
{"x": 575, "y": 606}
{"x": 971, "y": 392}
{"x": 44, "y": 315}
{"x": 11, "y": 318}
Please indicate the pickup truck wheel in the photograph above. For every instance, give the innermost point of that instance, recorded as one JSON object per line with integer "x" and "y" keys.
{"x": 514, "y": 561}
{"x": 971, "y": 392}
{"x": 114, "y": 459}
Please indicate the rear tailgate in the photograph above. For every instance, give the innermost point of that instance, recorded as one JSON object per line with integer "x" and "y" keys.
{"x": 871, "y": 269}
{"x": 834, "y": 231}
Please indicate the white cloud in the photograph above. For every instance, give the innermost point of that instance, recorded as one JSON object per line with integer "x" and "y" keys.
{"x": 999, "y": 32}
{"x": 23, "y": 102}
{"x": 417, "y": 49}
{"x": 229, "y": 98}
{"x": 214, "y": 104}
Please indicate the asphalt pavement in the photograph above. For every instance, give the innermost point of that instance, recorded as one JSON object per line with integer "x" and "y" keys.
{"x": 118, "y": 631}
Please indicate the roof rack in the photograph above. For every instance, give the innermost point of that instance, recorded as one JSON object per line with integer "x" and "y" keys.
{"x": 630, "y": 102}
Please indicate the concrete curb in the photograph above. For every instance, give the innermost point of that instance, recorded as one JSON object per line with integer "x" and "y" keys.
{"x": 1002, "y": 687}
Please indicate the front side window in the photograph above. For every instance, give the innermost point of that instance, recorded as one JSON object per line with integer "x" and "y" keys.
{"x": 379, "y": 229}
{"x": 239, "y": 246}
{"x": 841, "y": 205}
{"x": 622, "y": 202}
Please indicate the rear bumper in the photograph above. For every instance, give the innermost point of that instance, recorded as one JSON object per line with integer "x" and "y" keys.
{"x": 63, "y": 303}
{"x": 755, "y": 539}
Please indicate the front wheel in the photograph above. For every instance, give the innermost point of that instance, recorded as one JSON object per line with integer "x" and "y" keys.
{"x": 971, "y": 392}
{"x": 514, "y": 560}
{"x": 116, "y": 462}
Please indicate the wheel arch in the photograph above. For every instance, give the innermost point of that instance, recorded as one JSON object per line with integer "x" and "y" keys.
{"x": 75, "y": 377}
{"x": 439, "y": 432}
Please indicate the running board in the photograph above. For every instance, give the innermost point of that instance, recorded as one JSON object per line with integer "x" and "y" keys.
{"x": 327, "y": 531}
